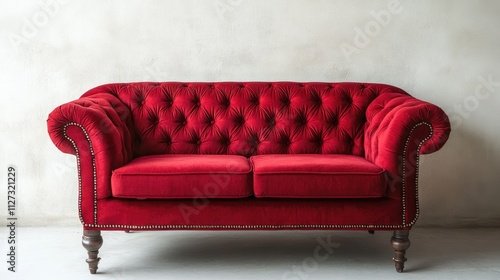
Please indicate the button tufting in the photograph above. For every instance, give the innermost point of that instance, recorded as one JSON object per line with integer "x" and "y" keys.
{"x": 240, "y": 120}
{"x": 254, "y": 141}
{"x": 302, "y": 120}
{"x": 225, "y": 142}
{"x": 278, "y": 114}
{"x": 286, "y": 141}
{"x": 286, "y": 101}
{"x": 317, "y": 140}
{"x": 225, "y": 102}
{"x": 333, "y": 121}
{"x": 271, "y": 122}
{"x": 167, "y": 140}
{"x": 254, "y": 100}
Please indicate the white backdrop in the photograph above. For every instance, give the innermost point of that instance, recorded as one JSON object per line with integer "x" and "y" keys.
{"x": 445, "y": 52}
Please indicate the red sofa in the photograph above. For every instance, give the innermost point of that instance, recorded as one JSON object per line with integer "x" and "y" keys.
{"x": 247, "y": 156}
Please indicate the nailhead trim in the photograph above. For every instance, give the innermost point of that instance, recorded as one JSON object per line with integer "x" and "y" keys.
{"x": 416, "y": 172}
{"x": 79, "y": 170}
{"x": 96, "y": 225}
{"x": 246, "y": 226}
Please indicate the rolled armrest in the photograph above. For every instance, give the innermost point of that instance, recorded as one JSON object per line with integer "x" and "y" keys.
{"x": 397, "y": 122}
{"x": 96, "y": 129}
{"x": 398, "y": 129}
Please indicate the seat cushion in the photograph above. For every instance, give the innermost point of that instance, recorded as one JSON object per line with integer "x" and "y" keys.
{"x": 183, "y": 176}
{"x": 317, "y": 176}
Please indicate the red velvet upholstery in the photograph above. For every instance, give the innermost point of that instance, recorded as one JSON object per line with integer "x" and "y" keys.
{"x": 249, "y": 213}
{"x": 246, "y": 118}
{"x": 391, "y": 118}
{"x": 183, "y": 176}
{"x": 113, "y": 124}
{"x": 317, "y": 176}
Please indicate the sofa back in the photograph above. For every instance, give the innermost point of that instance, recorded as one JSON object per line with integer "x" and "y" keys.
{"x": 247, "y": 118}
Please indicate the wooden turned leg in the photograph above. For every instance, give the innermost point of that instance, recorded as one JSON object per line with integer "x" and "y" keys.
{"x": 400, "y": 243}
{"x": 92, "y": 241}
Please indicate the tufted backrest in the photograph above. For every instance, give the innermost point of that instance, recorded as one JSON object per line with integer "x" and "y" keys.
{"x": 247, "y": 118}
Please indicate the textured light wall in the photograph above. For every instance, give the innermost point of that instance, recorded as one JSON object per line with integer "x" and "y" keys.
{"x": 445, "y": 52}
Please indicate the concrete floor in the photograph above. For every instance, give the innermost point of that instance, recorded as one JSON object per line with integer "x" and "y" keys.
{"x": 56, "y": 253}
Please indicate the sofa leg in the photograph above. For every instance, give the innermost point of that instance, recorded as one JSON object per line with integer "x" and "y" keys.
{"x": 92, "y": 241}
{"x": 400, "y": 243}
{"x": 371, "y": 231}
